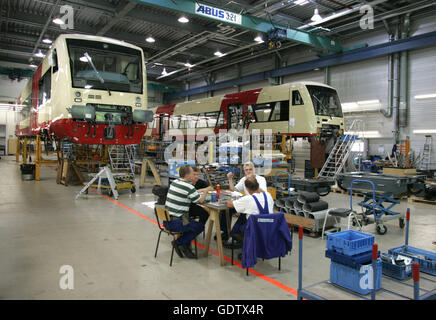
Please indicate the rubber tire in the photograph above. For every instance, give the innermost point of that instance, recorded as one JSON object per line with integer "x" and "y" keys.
{"x": 133, "y": 189}
{"x": 402, "y": 223}
{"x": 381, "y": 229}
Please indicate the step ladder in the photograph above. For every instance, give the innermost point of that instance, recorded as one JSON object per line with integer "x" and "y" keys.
{"x": 426, "y": 154}
{"x": 340, "y": 152}
{"x": 122, "y": 159}
{"x": 106, "y": 171}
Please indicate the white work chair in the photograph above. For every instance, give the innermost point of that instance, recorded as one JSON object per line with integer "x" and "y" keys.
{"x": 339, "y": 213}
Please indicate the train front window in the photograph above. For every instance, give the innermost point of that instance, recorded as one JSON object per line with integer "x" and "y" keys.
{"x": 325, "y": 101}
{"x": 119, "y": 67}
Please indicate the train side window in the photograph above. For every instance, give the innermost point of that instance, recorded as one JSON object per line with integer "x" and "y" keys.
{"x": 296, "y": 98}
{"x": 44, "y": 91}
{"x": 211, "y": 119}
{"x": 54, "y": 58}
{"x": 280, "y": 111}
{"x": 263, "y": 111}
{"x": 191, "y": 121}
{"x": 174, "y": 122}
{"x": 220, "y": 121}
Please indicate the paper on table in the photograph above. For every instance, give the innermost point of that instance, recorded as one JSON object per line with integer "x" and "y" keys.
{"x": 236, "y": 194}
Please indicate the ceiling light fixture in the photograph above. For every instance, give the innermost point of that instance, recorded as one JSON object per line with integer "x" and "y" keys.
{"x": 183, "y": 19}
{"x": 83, "y": 59}
{"x": 164, "y": 72}
{"x": 218, "y": 53}
{"x": 187, "y": 64}
{"x": 301, "y": 2}
{"x": 150, "y": 39}
{"x": 58, "y": 21}
{"x": 424, "y": 131}
{"x": 39, "y": 54}
{"x": 33, "y": 65}
{"x": 46, "y": 40}
{"x": 258, "y": 39}
{"x": 316, "y": 17}
{"x": 425, "y": 96}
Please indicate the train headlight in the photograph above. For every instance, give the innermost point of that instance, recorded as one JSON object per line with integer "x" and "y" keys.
{"x": 77, "y": 99}
{"x": 137, "y": 104}
{"x": 78, "y": 94}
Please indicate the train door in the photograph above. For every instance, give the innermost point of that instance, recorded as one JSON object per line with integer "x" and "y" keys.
{"x": 234, "y": 116}
{"x": 162, "y": 124}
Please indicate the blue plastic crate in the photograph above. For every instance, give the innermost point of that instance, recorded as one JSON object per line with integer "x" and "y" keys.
{"x": 426, "y": 259}
{"x": 350, "y": 242}
{"x": 352, "y": 261}
{"x": 357, "y": 280}
{"x": 395, "y": 271}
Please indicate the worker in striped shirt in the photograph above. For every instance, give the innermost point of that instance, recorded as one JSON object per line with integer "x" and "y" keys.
{"x": 179, "y": 198}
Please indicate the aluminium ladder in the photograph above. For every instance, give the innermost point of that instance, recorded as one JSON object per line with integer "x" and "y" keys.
{"x": 426, "y": 154}
{"x": 107, "y": 172}
{"x": 122, "y": 158}
{"x": 340, "y": 152}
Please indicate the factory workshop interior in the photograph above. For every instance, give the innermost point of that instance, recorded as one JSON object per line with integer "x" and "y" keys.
{"x": 257, "y": 151}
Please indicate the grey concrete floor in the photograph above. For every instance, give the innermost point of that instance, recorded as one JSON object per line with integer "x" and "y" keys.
{"x": 111, "y": 249}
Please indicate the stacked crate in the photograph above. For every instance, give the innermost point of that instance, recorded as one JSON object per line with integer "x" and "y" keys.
{"x": 351, "y": 261}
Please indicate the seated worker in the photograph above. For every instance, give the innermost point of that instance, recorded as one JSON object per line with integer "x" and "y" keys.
{"x": 240, "y": 186}
{"x": 180, "y": 196}
{"x": 256, "y": 201}
{"x": 202, "y": 186}
{"x": 249, "y": 172}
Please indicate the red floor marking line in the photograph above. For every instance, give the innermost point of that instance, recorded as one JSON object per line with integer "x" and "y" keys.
{"x": 123, "y": 206}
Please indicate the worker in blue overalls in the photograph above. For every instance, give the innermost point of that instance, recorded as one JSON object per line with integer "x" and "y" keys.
{"x": 257, "y": 201}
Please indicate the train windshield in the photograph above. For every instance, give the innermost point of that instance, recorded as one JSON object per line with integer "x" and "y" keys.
{"x": 325, "y": 101}
{"x": 112, "y": 67}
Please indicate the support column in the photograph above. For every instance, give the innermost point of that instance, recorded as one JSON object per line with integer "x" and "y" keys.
{"x": 18, "y": 152}
{"x": 25, "y": 150}
{"x": 37, "y": 157}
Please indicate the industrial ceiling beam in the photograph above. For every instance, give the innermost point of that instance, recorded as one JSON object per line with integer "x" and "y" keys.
{"x": 37, "y": 21}
{"x": 250, "y": 22}
{"x": 118, "y": 16}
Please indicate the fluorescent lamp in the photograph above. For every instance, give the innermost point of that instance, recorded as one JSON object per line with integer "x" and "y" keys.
{"x": 150, "y": 39}
{"x": 187, "y": 64}
{"x": 301, "y": 2}
{"x": 424, "y": 131}
{"x": 316, "y": 17}
{"x": 46, "y": 40}
{"x": 83, "y": 59}
{"x": 39, "y": 54}
{"x": 425, "y": 96}
{"x": 58, "y": 21}
{"x": 33, "y": 65}
{"x": 258, "y": 39}
{"x": 158, "y": 64}
{"x": 183, "y": 19}
{"x": 164, "y": 72}
{"x": 368, "y": 102}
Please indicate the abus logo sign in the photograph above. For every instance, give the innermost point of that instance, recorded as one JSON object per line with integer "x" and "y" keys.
{"x": 217, "y": 13}
{"x": 211, "y": 11}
